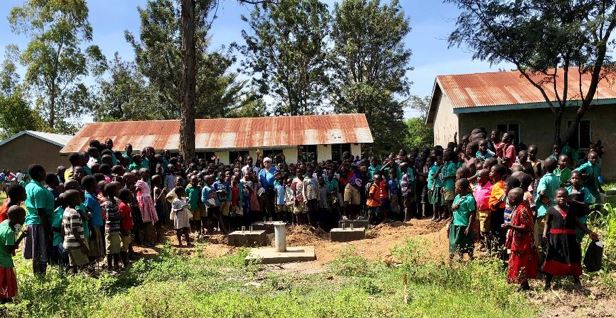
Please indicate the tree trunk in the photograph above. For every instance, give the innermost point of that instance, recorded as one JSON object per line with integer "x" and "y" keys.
{"x": 52, "y": 107}
{"x": 188, "y": 88}
{"x": 571, "y": 132}
{"x": 558, "y": 119}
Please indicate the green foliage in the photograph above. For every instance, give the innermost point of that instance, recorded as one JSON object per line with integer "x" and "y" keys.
{"x": 419, "y": 135}
{"x": 285, "y": 53}
{"x": 603, "y": 221}
{"x": 350, "y": 264}
{"x": 16, "y": 115}
{"x": 369, "y": 65}
{"x": 57, "y": 59}
{"x": 158, "y": 58}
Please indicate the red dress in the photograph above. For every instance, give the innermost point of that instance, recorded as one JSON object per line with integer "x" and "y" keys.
{"x": 524, "y": 260}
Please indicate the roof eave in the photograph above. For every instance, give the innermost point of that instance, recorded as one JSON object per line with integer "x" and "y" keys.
{"x": 525, "y": 106}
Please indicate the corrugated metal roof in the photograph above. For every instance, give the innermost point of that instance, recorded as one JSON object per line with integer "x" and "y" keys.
{"x": 56, "y": 139}
{"x": 511, "y": 88}
{"x": 229, "y": 133}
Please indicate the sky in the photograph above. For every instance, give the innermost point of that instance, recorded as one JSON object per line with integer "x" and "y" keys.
{"x": 431, "y": 22}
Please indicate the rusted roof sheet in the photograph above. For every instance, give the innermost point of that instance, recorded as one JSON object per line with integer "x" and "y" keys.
{"x": 229, "y": 133}
{"x": 511, "y": 88}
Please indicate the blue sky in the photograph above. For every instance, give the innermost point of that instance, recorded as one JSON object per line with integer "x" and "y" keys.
{"x": 431, "y": 22}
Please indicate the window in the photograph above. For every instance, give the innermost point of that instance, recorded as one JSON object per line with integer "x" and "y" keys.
{"x": 307, "y": 153}
{"x": 208, "y": 156}
{"x": 338, "y": 150}
{"x": 583, "y": 135}
{"x": 272, "y": 154}
{"x": 235, "y": 155}
{"x": 515, "y": 128}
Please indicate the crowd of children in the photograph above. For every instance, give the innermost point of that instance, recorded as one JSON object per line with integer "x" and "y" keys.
{"x": 492, "y": 190}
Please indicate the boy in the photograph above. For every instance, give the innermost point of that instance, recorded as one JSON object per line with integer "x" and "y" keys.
{"x": 193, "y": 191}
{"x": 484, "y": 153}
{"x": 112, "y": 227}
{"x": 448, "y": 176}
{"x": 97, "y": 243}
{"x": 74, "y": 240}
{"x": 563, "y": 172}
{"x": 461, "y": 226}
{"x": 545, "y": 197}
{"x": 39, "y": 206}
{"x": 8, "y": 244}
{"x": 591, "y": 171}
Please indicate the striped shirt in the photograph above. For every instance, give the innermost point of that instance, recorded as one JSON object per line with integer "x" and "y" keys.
{"x": 73, "y": 228}
{"x": 112, "y": 225}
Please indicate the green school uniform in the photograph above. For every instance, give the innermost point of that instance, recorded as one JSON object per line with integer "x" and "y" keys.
{"x": 548, "y": 184}
{"x": 7, "y": 238}
{"x": 194, "y": 196}
{"x": 591, "y": 183}
{"x": 38, "y": 197}
{"x": 372, "y": 170}
{"x": 56, "y": 222}
{"x": 466, "y": 206}
{"x": 449, "y": 170}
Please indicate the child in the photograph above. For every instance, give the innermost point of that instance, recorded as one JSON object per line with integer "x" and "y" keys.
{"x": 484, "y": 153}
{"x": 374, "y": 200}
{"x": 564, "y": 254}
{"x": 125, "y": 197}
{"x": 448, "y": 177}
{"x": 520, "y": 240}
{"x": 96, "y": 244}
{"x": 289, "y": 198}
{"x": 393, "y": 188}
{"x": 57, "y": 254}
{"x": 545, "y": 197}
{"x": 74, "y": 239}
{"x": 581, "y": 195}
{"x": 9, "y": 242}
{"x": 112, "y": 226}
{"x": 498, "y": 174}
{"x": 160, "y": 205}
{"x": 563, "y": 172}
{"x": 461, "y": 228}
{"x": 193, "y": 193}
{"x": 236, "y": 203}
{"x": 591, "y": 173}
{"x": 434, "y": 188}
{"x": 16, "y": 196}
{"x": 280, "y": 196}
{"x": 536, "y": 166}
{"x": 180, "y": 214}
{"x": 299, "y": 207}
{"x": 146, "y": 207}
{"x": 482, "y": 192}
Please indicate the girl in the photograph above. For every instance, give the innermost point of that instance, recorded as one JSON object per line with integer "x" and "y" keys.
{"x": 159, "y": 204}
{"x": 180, "y": 214}
{"x": 9, "y": 242}
{"x": 564, "y": 254}
{"x": 146, "y": 206}
{"x": 482, "y": 191}
{"x": 126, "y": 223}
{"x": 581, "y": 195}
{"x": 434, "y": 188}
{"x": 520, "y": 240}
{"x": 448, "y": 178}
{"x": 460, "y": 229}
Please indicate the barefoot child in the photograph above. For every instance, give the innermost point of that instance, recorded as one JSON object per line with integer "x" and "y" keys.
{"x": 460, "y": 229}
{"x": 434, "y": 188}
{"x": 9, "y": 242}
{"x": 180, "y": 215}
{"x": 482, "y": 191}
{"x": 498, "y": 174}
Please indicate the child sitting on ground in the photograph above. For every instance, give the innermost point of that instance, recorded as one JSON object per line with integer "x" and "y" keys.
{"x": 461, "y": 228}
{"x": 9, "y": 229}
{"x": 180, "y": 215}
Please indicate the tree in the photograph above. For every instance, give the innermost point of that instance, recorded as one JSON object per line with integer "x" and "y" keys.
{"x": 124, "y": 94}
{"x": 419, "y": 134}
{"x": 420, "y": 104}
{"x": 369, "y": 65}
{"x": 286, "y": 53}
{"x": 9, "y": 79}
{"x": 548, "y": 41}
{"x": 56, "y": 60}
{"x": 189, "y": 80}
{"x": 16, "y": 116}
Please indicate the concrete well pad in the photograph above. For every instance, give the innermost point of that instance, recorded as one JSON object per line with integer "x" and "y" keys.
{"x": 269, "y": 255}
{"x": 356, "y": 223}
{"x": 267, "y": 226}
{"x": 248, "y": 238}
{"x": 347, "y": 234}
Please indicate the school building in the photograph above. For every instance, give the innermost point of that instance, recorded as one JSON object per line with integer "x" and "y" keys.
{"x": 27, "y": 147}
{"x": 323, "y": 137}
{"x": 509, "y": 102}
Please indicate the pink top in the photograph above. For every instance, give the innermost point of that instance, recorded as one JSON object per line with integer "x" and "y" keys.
{"x": 482, "y": 196}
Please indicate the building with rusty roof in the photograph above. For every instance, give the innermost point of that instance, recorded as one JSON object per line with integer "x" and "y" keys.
{"x": 319, "y": 136}
{"x": 509, "y": 102}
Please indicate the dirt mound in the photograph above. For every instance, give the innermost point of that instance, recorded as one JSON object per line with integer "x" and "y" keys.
{"x": 304, "y": 235}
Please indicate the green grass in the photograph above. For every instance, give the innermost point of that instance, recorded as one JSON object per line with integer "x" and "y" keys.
{"x": 171, "y": 285}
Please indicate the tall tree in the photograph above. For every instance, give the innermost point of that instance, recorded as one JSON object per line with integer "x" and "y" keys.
{"x": 57, "y": 59}
{"x": 124, "y": 92}
{"x": 549, "y": 42}
{"x": 16, "y": 115}
{"x": 370, "y": 63}
{"x": 189, "y": 80}
{"x": 285, "y": 53}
